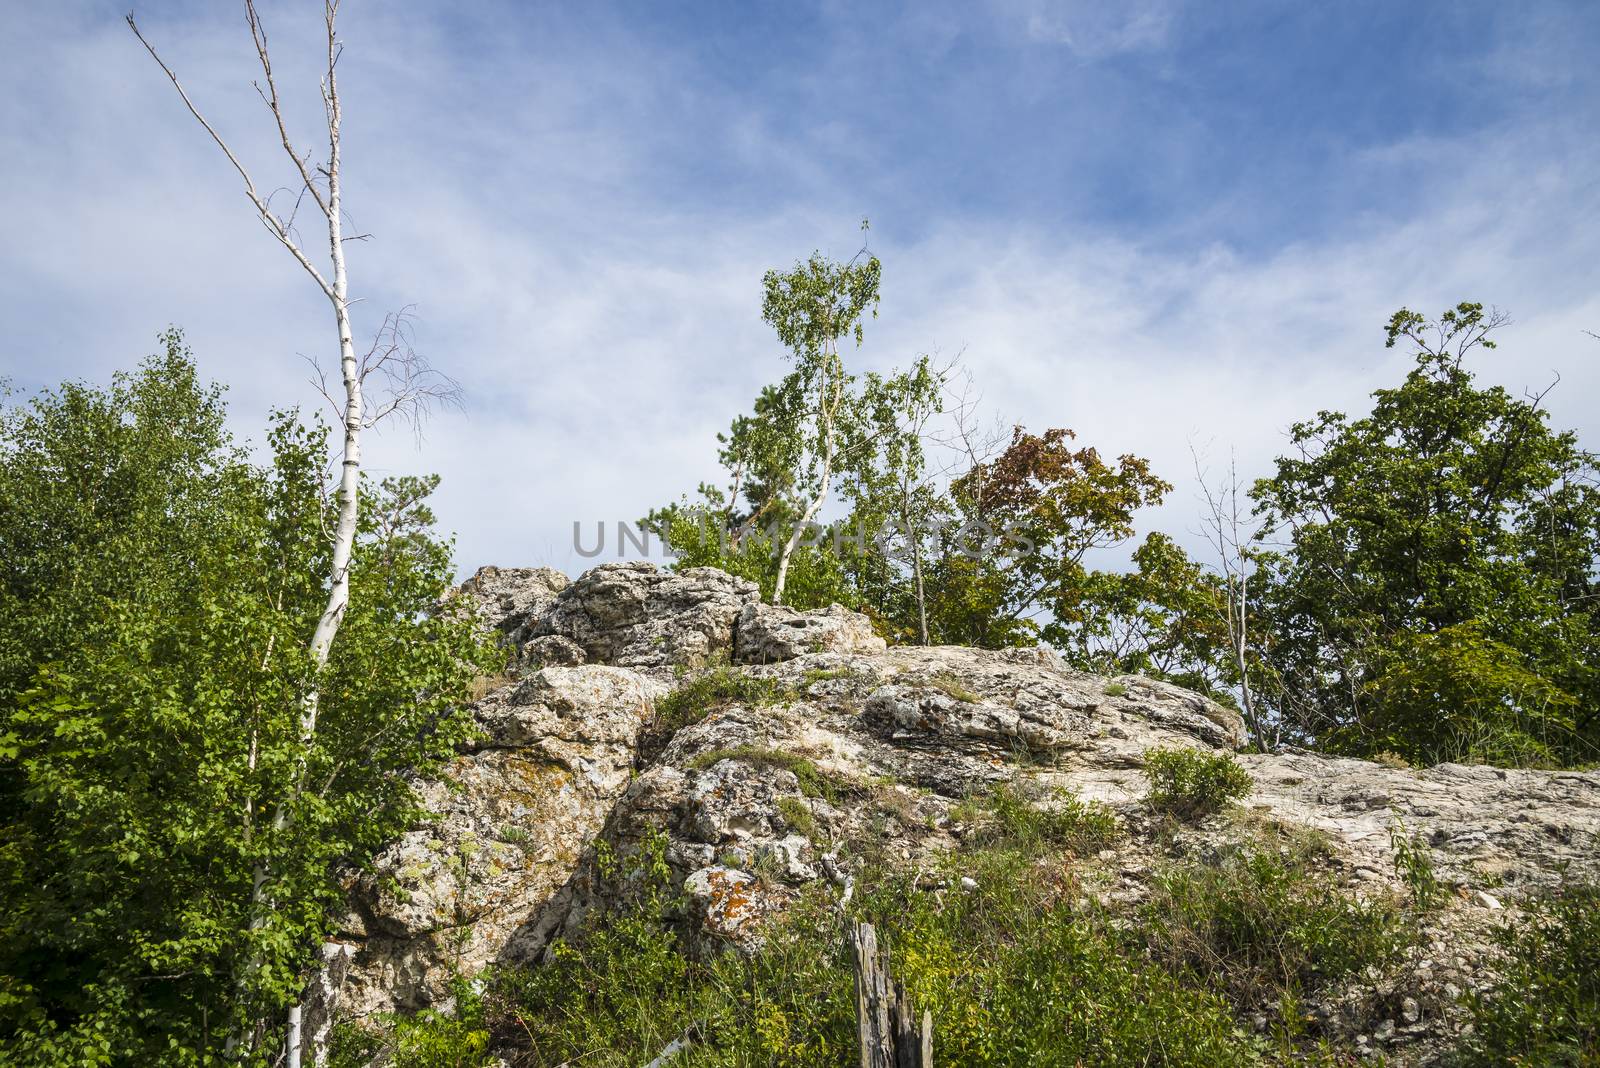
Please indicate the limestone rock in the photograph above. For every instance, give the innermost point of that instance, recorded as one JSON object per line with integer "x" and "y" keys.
{"x": 637, "y": 615}
{"x": 513, "y": 599}
{"x": 873, "y": 749}
{"x": 731, "y": 904}
{"x": 550, "y": 650}
{"x": 511, "y": 819}
{"x": 767, "y": 633}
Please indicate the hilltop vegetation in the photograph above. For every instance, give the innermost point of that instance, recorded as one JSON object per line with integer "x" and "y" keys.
{"x": 1417, "y": 583}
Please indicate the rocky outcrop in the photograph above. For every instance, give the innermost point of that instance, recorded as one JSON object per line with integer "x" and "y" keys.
{"x": 860, "y": 744}
{"x": 511, "y": 599}
{"x": 511, "y": 819}
{"x": 637, "y": 615}
{"x": 768, "y": 633}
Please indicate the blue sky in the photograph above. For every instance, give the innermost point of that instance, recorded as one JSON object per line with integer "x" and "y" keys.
{"x": 1166, "y": 224}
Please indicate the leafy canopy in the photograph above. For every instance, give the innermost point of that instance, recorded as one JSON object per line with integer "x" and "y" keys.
{"x": 157, "y": 591}
{"x": 1434, "y": 591}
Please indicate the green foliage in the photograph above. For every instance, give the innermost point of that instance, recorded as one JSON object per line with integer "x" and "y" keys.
{"x": 798, "y": 815}
{"x": 157, "y": 593}
{"x": 1544, "y": 1008}
{"x": 1010, "y": 819}
{"x": 717, "y": 688}
{"x": 1043, "y": 506}
{"x": 1015, "y": 970}
{"x": 1164, "y": 618}
{"x": 1012, "y": 976}
{"x": 818, "y": 428}
{"x": 805, "y": 432}
{"x": 1437, "y": 595}
{"x": 814, "y": 782}
{"x": 430, "y": 1039}
{"x": 1190, "y": 783}
{"x": 1413, "y": 863}
{"x": 703, "y": 693}
{"x": 1266, "y": 927}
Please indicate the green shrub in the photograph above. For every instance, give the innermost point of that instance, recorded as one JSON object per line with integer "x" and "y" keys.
{"x": 1014, "y": 977}
{"x": 1010, "y": 977}
{"x": 717, "y": 688}
{"x": 798, "y": 816}
{"x": 1116, "y": 689}
{"x": 1264, "y": 927}
{"x": 1190, "y": 783}
{"x": 1413, "y": 863}
{"x": 428, "y": 1039}
{"x": 1545, "y": 1007}
{"x": 1008, "y": 818}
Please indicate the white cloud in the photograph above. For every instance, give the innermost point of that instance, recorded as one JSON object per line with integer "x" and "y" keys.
{"x": 605, "y": 329}
{"x": 1095, "y": 30}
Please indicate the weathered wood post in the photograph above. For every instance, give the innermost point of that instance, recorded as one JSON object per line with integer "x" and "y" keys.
{"x": 890, "y": 1033}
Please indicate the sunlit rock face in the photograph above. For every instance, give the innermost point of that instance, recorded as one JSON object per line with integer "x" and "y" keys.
{"x": 862, "y": 744}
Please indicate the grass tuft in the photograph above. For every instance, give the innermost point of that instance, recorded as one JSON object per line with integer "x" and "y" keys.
{"x": 707, "y": 692}
{"x": 952, "y": 687}
{"x": 814, "y": 782}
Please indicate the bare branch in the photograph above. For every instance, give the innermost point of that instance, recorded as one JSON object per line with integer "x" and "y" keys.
{"x": 258, "y": 34}
{"x": 412, "y": 387}
{"x": 268, "y": 219}
{"x": 271, "y": 221}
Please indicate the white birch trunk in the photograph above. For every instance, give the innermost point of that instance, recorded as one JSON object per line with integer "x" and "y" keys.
{"x": 826, "y": 417}
{"x": 335, "y": 286}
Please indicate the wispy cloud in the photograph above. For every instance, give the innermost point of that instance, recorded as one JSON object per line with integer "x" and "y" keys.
{"x": 581, "y": 206}
{"x": 1096, "y": 30}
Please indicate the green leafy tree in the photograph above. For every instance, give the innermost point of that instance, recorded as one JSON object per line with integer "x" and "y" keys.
{"x": 894, "y": 505}
{"x": 157, "y": 589}
{"x": 813, "y": 307}
{"x": 1012, "y": 568}
{"x": 1164, "y": 618}
{"x": 819, "y": 432}
{"x": 1434, "y": 588}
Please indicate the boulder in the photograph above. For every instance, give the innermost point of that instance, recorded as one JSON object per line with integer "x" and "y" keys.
{"x": 512, "y": 600}
{"x": 637, "y": 615}
{"x": 768, "y": 633}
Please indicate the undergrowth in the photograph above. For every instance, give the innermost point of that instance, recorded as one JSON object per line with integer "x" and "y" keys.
{"x": 1189, "y": 783}
{"x": 1009, "y": 819}
{"x": 1002, "y": 941}
{"x": 702, "y": 694}
{"x": 1267, "y": 927}
{"x": 1545, "y": 1007}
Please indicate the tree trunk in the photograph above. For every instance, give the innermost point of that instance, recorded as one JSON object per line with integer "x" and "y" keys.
{"x": 805, "y": 520}
{"x": 916, "y": 572}
{"x": 890, "y": 1033}
{"x": 335, "y": 286}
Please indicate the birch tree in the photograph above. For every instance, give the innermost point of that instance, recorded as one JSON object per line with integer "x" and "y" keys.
{"x": 317, "y": 185}
{"x": 1231, "y": 529}
{"x": 814, "y": 307}
{"x": 891, "y": 482}
{"x": 156, "y": 590}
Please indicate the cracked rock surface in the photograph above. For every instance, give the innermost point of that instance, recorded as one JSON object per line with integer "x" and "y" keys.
{"x": 869, "y": 745}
